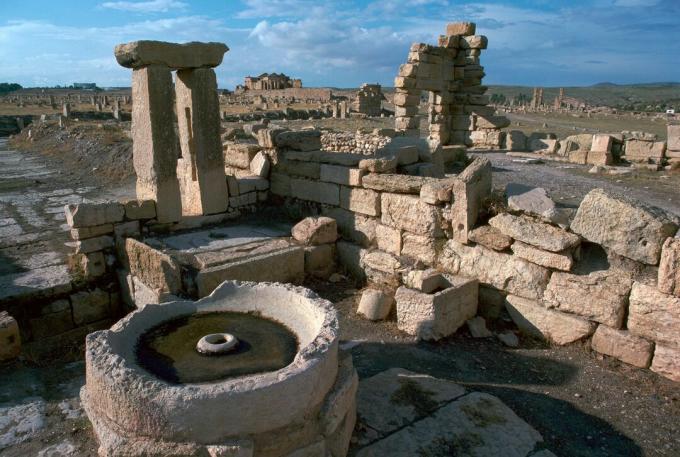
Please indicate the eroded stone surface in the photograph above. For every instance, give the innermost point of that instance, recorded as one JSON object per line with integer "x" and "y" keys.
{"x": 669, "y": 267}
{"x": 138, "y": 54}
{"x": 653, "y": 314}
{"x": 490, "y": 237}
{"x": 622, "y": 345}
{"x": 539, "y": 234}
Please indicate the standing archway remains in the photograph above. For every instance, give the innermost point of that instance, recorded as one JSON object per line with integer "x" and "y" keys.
{"x": 451, "y": 73}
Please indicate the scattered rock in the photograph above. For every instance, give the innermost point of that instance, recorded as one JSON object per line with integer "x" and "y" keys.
{"x": 509, "y": 339}
{"x": 477, "y": 327}
{"x": 375, "y": 305}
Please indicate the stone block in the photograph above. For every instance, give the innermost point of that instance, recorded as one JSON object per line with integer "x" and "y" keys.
{"x": 666, "y": 362}
{"x": 375, "y": 305}
{"x": 259, "y": 166}
{"x": 379, "y": 165}
{"x": 600, "y": 296}
{"x": 266, "y": 137}
{"x": 600, "y": 158}
{"x": 154, "y": 268}
{"x": 362, "y": 201}
{"x": 642, "y": 151}
{"x": 310, "y": 170}
{"x": 538, "y": 321}
{"x": 474, "y": 42}
{"x": 502, "y": 271}
{"x": 420, "y": 247}
{"x": 280, "y": 184}
{"x": 628, "y": 228}
{"x": 140, "y": 209}
{"x": 382, "y": 267}
{"x": 623, "y": 346}
{"x": 439, "y": 314}
{"x": 673, "y": 135}
{"x": 400, "y": 184}
{"x": 470, "y": 189}
{"x": 388, "y": 239}
{"x": 407, "y": 155}
{"x": 90, "y": 306}
{"x": 248, "y": 184}
{"x": 437, "y": 192}
{"x": 315, "y": 230}
{"x": 579, "y": 157}
{"x": 89, "y": 214}
{"x": 669, "y": 267}
{"x": 91, "y": 232}
{"x": 411, "y": 214}
{"x": 538, "y": 234}
{"x": 349, "y": 256}
{"x": 10, "y": 340}
{"x": 602, "y": 143}
{"x": 299, "y": 140}
{"x": 239, "y": 155}
{"x": 341, "y": 175}
{"x": 515, "y": 140}
{"x": 544, "y": 146}
{"x": 127, "y": 229}
{"x": 320, "y": 192}
{"x": 355, "y": 227}
{"x": 92, "y": 265}
{"x": 426, "y": 281}
{"x": 654, "y": 315}
{"x": 138, "y": 54}
{"x": 534, "y": 201}
{"x": 490, "y": 237}
{"x": 93, "y": 244}
{"x": 558, "y": 260}
{"x": 320, "y": 260}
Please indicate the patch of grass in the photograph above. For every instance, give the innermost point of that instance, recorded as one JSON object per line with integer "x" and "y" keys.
{"x": 482, "y": 413}
{"x": 410, "y": 393}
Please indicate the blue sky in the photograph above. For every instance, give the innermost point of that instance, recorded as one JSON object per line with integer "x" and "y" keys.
{"x": 345, "y": 43}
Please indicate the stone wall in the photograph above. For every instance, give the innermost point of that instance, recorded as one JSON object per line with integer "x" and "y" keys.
{"x": 358, "y": 143}
{"x": 368, "y": 100}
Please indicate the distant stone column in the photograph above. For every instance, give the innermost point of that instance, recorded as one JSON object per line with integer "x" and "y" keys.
{"x": 201, "y": 166}
{"x": 154, "y": 140}
{"x": 66, "y": 109}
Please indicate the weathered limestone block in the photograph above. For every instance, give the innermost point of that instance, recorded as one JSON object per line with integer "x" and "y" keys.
{"x": 515, "y": 140}
{"x": 349, "y": 256}
{"x": 490, "y": 237}
{"x": 388, "y": 239}
{"x": 669, "y": 267}
{"x": 535, "y": 233}
{"x": 201, "y": 166}
{"x": 440, "y": 314}
{"x": 92, "y": 214}
{"x": 419, "y": 247}
{"x": 622, "y": 345}
{"x": 557, "y": 260}
{"x": 355, "y": 227}
{"x": 299, "y": 140}
{"x": 320, "y": 192}
{"x": 502, "y": 271}
{"x": 426, "y": 281}
{"x": 666, "y": 362}
{"x": 601, "y": 296}
{"x": 259, "y": 166}
{"x": 600, "y": 158}
{"x": 362, "y": 201}
{"x": 155, "y": 145}
{"x": 543, "y": 146}
{"x": 266, "y": 137}
{"x": 320, "y": 260}
{"x": 601, "y": 143}
{"x": 642, "y": 151}
{"x": 630, "y": 229}
{"x": 673, "y": 135}
{"x": 10, "y": 340}
{"x": 280, "y": 184}
{"x": 470, "y": 189}
{"x": 140, "y": 209}
{"x": 92, "y": 265}
{"x": 474, "y": 42}
{"x": 536, "y": 320}
{"x": 382, "y": 267}
{"x": 379, "y": 165}
{"x": 654, "y": 315}
{"x": 90, "y": 306}
{"x": 83, "y": 233}
{"x": 239, "y": 155}
{"x": 375, "y": 305}
{"x": 582, "y": 142}
{"x": 93, "y": 244}
{"x": 341, "y": 175}
{"x": 400, "y": 184}
{"x": 437, "y": 192}
{"x": 142, "y": 53}
{"x": 157, "y": 270}
{"x": 411, "y": 214}
{"x": 534, "y": 201}
{"x": 316, "y": 230}
{"x": 491, "y": 122}
{"x": 460, "y": 28}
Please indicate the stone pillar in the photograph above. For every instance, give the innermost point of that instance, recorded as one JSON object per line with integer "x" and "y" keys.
{"x": 154, "y": 140}
{"x": 201, "y": 166}
{"x": 66, "y": 110}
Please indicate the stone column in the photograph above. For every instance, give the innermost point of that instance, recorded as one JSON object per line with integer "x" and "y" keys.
{"x": 154, "y": 140}
{"x": 66, "y": 109}
{"x": 201, "y": 166}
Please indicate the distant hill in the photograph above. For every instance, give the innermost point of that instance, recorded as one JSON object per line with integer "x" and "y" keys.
{"x": 635, "y": 97}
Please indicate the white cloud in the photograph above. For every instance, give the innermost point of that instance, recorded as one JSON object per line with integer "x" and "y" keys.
{"x": 151, "y": 6}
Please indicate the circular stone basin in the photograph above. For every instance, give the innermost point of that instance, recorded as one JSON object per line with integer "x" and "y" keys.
{"x": 129, "y": 401}
{"x": 169, "y": 350}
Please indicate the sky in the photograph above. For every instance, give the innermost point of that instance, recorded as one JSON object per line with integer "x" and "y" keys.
{"x": 344, "y": 43}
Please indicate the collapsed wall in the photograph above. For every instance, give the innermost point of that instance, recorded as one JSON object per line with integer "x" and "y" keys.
{"x": 451, "y": 74}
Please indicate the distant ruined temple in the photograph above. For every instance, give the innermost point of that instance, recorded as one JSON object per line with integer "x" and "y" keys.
{"x": 269, "y": 81}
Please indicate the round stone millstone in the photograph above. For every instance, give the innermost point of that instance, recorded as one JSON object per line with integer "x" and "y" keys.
{"x": 217, "y": 343}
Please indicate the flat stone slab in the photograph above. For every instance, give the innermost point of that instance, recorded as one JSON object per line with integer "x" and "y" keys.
{"x": 400, "y": 184}
{"x": 410, "y": 414}
{"x": 535, "y": 233}
{"x": 42, "y": 281}
{"x": 333, "y": 158}
{"x": 174, "y": 55}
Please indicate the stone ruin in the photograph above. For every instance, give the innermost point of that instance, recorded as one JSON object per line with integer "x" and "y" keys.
{"x": 413, "y": 220}
{"x": 368, "y": 100}
{"x": 452, "y": 75}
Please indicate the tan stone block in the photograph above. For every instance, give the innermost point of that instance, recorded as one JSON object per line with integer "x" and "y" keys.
{"x": 92, "y": 265}
{"x": 654, "y": 315}
{"x": 536, "y": 320}
{"x": 388, "y": 239}
{"x": 259, "y": 166}
{"x": 579, "y": 157}
{"x": 490, "y": 237}
{"x": 353, "y": 226}
{"x": 320, "y": 260}
{"x": 93, "y": 214}
{"x": 410, "y": 213}
{"x": 156, "y": 269}
{"x": 91, "y": 232}
{"x": 538, "y": 234}
{"x": 379, "y": 165}
{"x": 141, "y": 53}
{"x": 666, "y": 362}
{"x": 623, "y": 346}
{"x": 239, "y": 155}
{"x": 315, "y": 230}
{"x": 558, "y": 260}
{"x": 401, "y": 184}
{"x": 600, "y": 158}
{"x": 341, "y": 175}
{"x": 362, "y": 201}
{"x": 419, "y": 247}
{"x": 673, "y": 135}
{"x": 669, "y": 267}
{"x": 602, "y": 143}
{"x": 93, "y": 244}
{"x": 470, "y": 189}
{"x": 140, "y": 209}
{"x": 461, "y": 28}
{"x": 315, "y": 191}
{"x": 375, "y": 305}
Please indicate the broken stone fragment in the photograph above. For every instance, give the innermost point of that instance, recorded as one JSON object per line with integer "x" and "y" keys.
{"x": 535, "y": 233}
{"x": 173, "y": 55}
{"x": 669, "y": 268}
{"x": 534, "y": 201}
{"x": 557, "y": 260}
{"x": 623, "y": 346}
{"x": 490, "y": 237}
{"x": 316, "y": 230}
{"x": 375, "y": 305}
{"x": 628, "y": 228}
{"x": 477, "y": 327}
{"x": 654, "y": 315}
{"x": 379, "y": 165}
